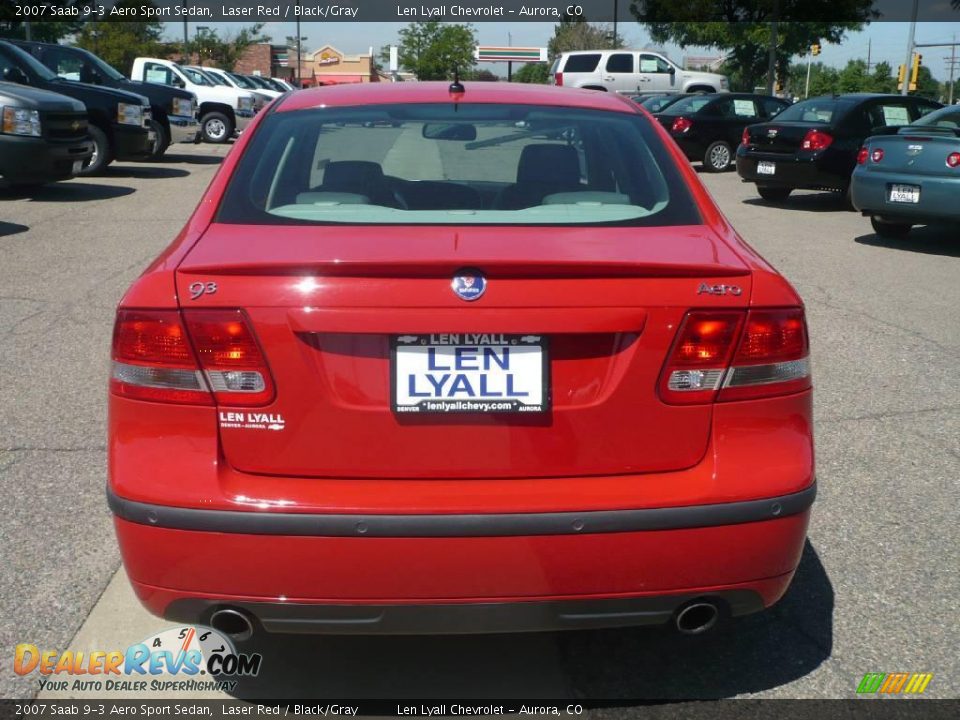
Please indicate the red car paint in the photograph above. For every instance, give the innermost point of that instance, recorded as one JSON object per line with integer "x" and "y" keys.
{"x": 613, "y": 303}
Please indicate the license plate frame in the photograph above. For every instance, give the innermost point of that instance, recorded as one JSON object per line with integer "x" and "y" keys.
{"x": 903, "y": 194}
{"x": 530, "y": 352}
{"x": 766, "y": 167}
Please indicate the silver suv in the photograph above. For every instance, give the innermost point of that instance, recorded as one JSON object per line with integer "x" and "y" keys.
{"x": 631, "y": 72}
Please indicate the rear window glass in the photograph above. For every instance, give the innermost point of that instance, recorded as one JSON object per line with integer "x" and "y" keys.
{"x": 817, "y": 110}
{"x": 688, "y": 105}
{"x": 582, "y": 63}
{"x": 457, "y": 164}
{"x": 948, "y": 117}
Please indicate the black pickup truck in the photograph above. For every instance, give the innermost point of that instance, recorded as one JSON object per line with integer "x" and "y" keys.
{"x": 119, "y": 121}
{"x": 174, "y": 110}
{"x": 43, "y": 136}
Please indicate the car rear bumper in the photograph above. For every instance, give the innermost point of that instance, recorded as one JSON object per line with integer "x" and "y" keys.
{"x": 870, "y": 192}
{"x": 791, "y": 171}
{"x": 370, "y": 574}
{"x": 183, "y": 128}
{"x": 36, "y": 160}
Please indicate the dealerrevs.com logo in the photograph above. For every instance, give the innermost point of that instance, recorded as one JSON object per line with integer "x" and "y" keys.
{"x": 181, "y": 658}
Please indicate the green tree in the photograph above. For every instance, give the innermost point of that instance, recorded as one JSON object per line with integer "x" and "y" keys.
{"x": 927, "y": 85}
{"x": 119, "y": 43}
{"x": 575, "y": 33}
{"x": 431, "y": 50}
{"x": 742, "y": 28}
{"x": 532, "y": 73}
{"x": 211, "y": 49}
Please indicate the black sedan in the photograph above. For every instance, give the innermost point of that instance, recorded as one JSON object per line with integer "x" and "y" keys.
{"x": 814, "y": 144}
{"x": 709, "y": 127}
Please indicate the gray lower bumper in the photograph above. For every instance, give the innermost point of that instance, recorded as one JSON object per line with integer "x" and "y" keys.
{"x": 183, "y": 128}
{"x": 243, "y": 119}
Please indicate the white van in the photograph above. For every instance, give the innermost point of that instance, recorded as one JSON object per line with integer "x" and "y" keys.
{"x": 631, "y": 72}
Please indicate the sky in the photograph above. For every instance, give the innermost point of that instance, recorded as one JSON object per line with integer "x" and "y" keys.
{"x": 887, "y": 40}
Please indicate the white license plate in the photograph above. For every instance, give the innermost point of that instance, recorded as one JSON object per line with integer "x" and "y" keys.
{"x": 904, "y": 193}
{"x": 469, "y": 373}
{"x": 77, "y": 166}
{"x": 766, "y": 168}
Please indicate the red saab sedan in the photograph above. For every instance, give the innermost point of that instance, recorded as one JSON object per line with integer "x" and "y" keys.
{"x": 433, "y": 358}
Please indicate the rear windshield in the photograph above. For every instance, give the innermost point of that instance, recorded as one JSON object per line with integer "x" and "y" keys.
{"x": 456, "y": 164}
{"x": 817, "y": 110}
{"x": 582, "y": 63}
{"x": 657, "y": 104}
{"x": 688, "y": 105}
{"x": 948, "y": 117}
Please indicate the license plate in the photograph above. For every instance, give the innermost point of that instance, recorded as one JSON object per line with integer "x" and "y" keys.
{"x": 766, "y": 168}
{"x": 904, "y": 193}
{"x": 77, "y": 166}
{"x": 469, "y": 373}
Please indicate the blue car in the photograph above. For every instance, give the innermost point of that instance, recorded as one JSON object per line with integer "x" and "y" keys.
{"x": 911, "y": 178}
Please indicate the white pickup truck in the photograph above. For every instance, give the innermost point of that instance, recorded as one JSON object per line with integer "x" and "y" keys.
{"x": 223, "y": 110}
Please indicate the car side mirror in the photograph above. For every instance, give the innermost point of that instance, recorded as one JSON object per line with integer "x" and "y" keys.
{"x": 672, "y": 70}
{"x": 15, "y": 75}
{"x": 177, "y": 82}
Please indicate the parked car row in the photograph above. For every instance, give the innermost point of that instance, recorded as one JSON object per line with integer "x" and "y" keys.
{"x": 70, "y": 113}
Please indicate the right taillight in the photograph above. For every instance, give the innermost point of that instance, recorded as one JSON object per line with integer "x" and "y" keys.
{"x": 732, "y": 355}
{"x": 816, "y": 140}
{"x": 681, "y": 125}
{"x": 159, "y": 357}
{"x": 558, "y": 78}
{"x": 953, "y": 160}
{"x": 862, "y": 156}
{"x": 745, "y": 138}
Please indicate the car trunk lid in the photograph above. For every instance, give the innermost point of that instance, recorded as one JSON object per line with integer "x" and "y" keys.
{"x": 785, "y": 138}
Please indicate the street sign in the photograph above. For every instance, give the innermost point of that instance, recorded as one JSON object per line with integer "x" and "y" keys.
{"x": 497, "y": 53}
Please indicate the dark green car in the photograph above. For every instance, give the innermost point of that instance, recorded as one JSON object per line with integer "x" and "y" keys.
{"x": 911, "y": 178}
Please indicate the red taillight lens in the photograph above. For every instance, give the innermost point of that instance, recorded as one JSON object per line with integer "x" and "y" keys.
{"x": 862, "y": 156}
{"x": 230, "y": 356}
{"x": 953, "y": 160}
{"x": 771, "y": 356}
{"x": 745, "y": 138}
{"x": 558, "y": 78}
{"x": 152, "y": 359}
{"x": 681, "y": 125}
{"x": 158, "y": 357}
{"x": 877, "y": 155}
{"x": 700, "y": 356}
{"x": 817, "y": 140}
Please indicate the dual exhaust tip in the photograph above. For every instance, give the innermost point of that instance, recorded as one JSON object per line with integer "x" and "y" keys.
{"x": 694, "y": 618}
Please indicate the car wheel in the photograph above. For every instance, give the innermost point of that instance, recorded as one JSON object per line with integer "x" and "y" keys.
{"x": 718, "y": 156}
{"x": 217, "y": 127}
{"x": 895, "y": 231}
{"x": 774, "y": 194}
{"x": 160, "y": 140}
{"x": 101, "y": 152}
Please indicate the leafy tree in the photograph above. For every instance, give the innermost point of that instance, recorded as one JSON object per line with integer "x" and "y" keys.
{"x": 742, "y": 28}
{"x": 210, "y": 49}
{"x": 119, "y": 43}
{"x": 42, "y": 29}
{"x": 532, "y": 73}
{"x": 431, "y": 50}
{"x": 483, "y": 76}
{"x": 575, "y": 33}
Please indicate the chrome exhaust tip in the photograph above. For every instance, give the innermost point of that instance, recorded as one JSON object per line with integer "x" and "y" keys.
{"x": 697, "y": 617}
{"x": 235, "y": 624}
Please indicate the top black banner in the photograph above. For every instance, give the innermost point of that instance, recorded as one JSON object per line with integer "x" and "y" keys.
{"x": 479, "y": 11}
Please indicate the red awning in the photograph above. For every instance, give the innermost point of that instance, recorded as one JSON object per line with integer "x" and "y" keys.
{"x": 331, "y": 79}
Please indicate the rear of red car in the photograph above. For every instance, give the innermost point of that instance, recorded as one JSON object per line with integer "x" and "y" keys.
{"x": 472, "y": 373}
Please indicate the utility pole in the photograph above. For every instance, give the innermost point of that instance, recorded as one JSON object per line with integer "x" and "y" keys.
{"x": 910, "y": 40}
{"x": 186, "y": 33}
{"x": 806, "y": 90}
{"x": 509, "y": 64}
{"x": 953, "y": 66}
{"x": 299, "y": 55}
{"x": 772, "y": 59}
{"x": 614, "y": 43}
{"x": 869, "y": 48}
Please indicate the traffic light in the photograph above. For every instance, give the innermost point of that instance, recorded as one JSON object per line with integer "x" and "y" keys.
{"x": 901, "y": 77}
{"x": 815, "y": 48}
{"x": 917, "y": 62}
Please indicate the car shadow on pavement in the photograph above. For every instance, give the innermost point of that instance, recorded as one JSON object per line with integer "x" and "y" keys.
{"x": 623, "y": 666}
{"x": 147, "y": 172}
{"x": 193, "y": 159}
{"x": 805, "y": 202}
{"x": 7, "y": 228}
{"x": 80, "y": 191}
{"x": 930, "y": 240}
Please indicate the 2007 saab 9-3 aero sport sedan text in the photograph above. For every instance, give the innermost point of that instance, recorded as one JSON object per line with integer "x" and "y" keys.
{"x": 437, "y": 358}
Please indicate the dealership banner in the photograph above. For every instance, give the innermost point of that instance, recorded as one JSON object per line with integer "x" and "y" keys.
{"x": 473, "y": 11}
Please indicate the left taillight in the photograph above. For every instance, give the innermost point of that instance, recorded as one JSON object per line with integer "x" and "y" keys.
{"x": 681, "y": 125}
{"x": 206, "y": 356}
{"x": 153, "y": 360}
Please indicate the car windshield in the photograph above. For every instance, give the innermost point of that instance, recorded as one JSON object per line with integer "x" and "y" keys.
{"x": 197, "y": 77}
{"x": 242, "y": 81}
{"x": 948, "y": 117}
{"x": 33, "y": 65}
{"x": 104, "y": 69}
{"x": 456, "y": 164}
{"x": 687, "y": 105}
{"x": 816, "y": 110}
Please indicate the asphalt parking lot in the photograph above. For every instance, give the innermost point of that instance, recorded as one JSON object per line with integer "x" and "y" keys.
{"x": 877, "y": 590}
